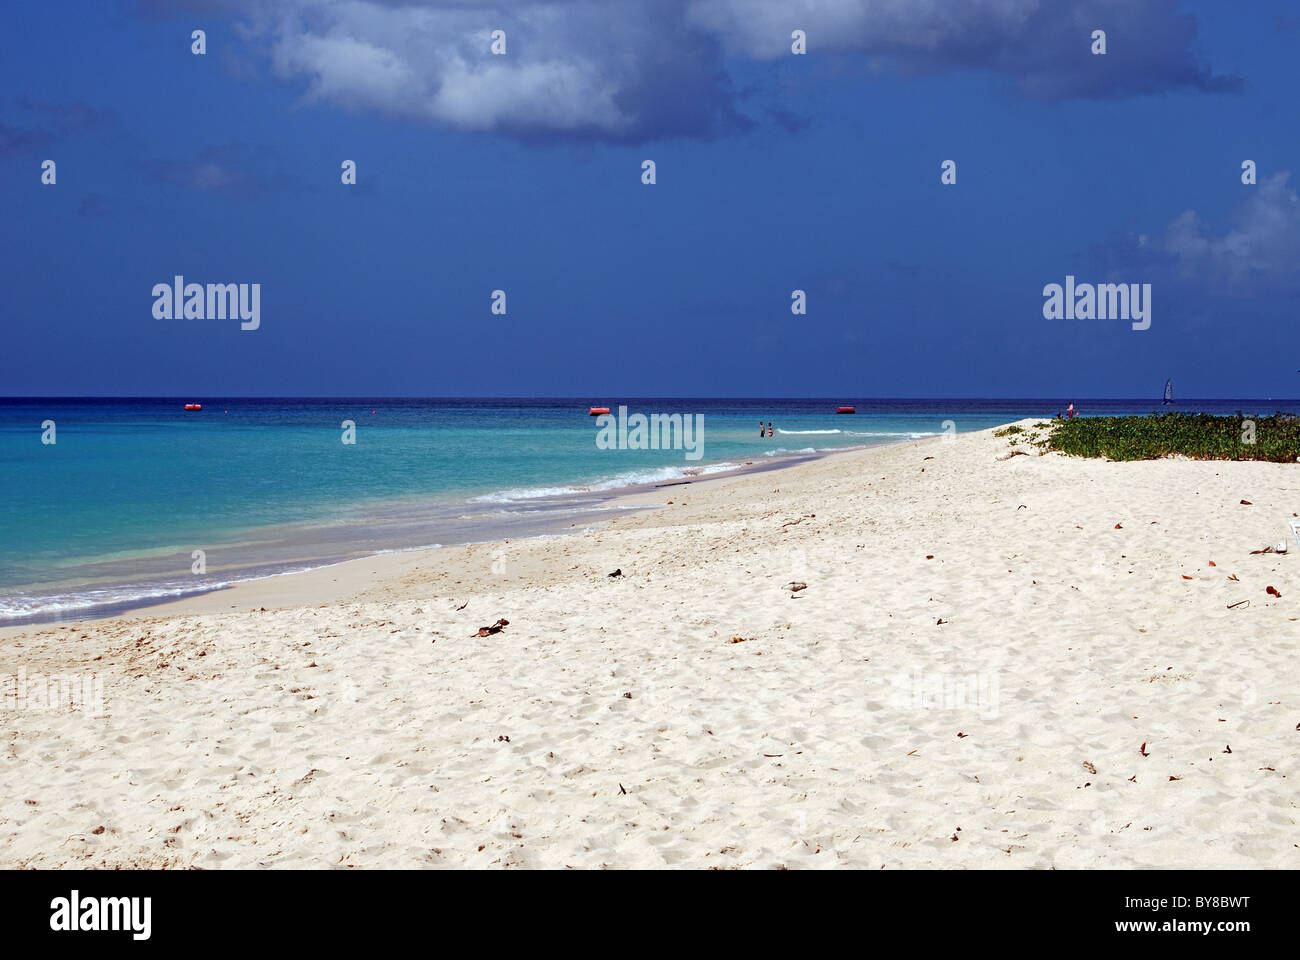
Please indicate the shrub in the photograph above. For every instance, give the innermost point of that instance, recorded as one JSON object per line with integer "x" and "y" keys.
{"x": 1200, "y": 436}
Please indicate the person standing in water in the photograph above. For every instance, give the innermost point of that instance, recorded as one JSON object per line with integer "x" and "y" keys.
{"x": 769, "y": 428}
{"x": 760, "y": 428}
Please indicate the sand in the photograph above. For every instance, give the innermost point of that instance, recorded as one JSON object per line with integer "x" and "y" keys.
{"x": 1017, "y": 663}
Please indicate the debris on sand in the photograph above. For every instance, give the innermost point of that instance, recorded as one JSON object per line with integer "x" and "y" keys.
{"x": 489, "y": 631}
{"x": 796, "y": 586}
{"x": 616, "y": 573}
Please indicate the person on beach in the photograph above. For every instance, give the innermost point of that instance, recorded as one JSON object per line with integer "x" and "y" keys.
{"x": 1069, "y": 411}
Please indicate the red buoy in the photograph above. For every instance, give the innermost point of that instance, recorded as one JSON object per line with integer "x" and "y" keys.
{"x": 598, "y": 411}
{"x": 193, "y": 406}
{"x": 845, "y": 410}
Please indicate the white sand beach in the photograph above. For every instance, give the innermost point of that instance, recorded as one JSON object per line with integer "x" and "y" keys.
{"x": 1017, "y": 663}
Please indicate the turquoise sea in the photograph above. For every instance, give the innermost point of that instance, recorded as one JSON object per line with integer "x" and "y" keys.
{"x": 109, "y": 515}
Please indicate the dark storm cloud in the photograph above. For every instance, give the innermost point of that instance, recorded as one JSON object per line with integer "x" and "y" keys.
{"x": 636, "y": 70}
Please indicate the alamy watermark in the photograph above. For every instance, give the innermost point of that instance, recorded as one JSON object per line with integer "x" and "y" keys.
{"x": 75, "y": 913}
{"x": 659, "y": 431}
{"x": 1102, "y": 301}
{"x": 919, "y": 690}
{"x": 179, "y": 300}
{"x": 54, "y": 692}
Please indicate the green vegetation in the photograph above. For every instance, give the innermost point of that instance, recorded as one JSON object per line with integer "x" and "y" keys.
{"x": 1199, "y": 436}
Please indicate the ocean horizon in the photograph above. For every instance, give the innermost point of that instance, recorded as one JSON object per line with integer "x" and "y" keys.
{"x": 138, "y": 501}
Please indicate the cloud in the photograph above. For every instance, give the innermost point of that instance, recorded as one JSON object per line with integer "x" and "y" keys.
{"x": 621, "y": 71}
{"x": 1043, "y": 47}
{"x": 70, "y": 118}
{"x": 787, "y": 120}
{"x": 15, "y": 140}
{"x": 634, "y": 70}
{"x": 58, "y": 121}
{"x": 240, "y": 168}
{"x": 1263, "y": 242}
{"x": 1258, "y": 250}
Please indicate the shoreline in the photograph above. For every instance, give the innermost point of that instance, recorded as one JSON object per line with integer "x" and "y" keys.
{"x": 558, "y": 511}
{"x": 116, "y": 583}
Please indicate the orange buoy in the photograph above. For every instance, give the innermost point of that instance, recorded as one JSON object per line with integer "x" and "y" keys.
{"x": 845, "y": 410}
{"x": 193, "y": 406}
{"x": 598, "y": 411}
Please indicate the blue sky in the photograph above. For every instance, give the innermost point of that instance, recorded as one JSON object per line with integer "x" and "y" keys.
{"x": 523, "y": 173}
